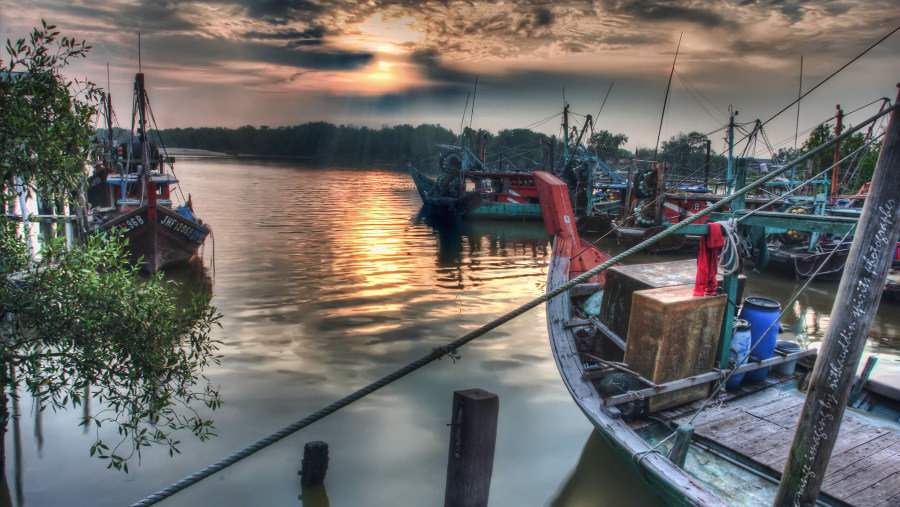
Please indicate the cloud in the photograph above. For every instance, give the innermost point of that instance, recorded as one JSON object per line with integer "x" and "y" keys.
{"x": 280, "y": 12}
{"x": 700, "y": 13}
{"x": 430, "y": 64}
{"x": 128, "y": 17}
{"x": 313, "y": 32}
{"x": 211, "y": 51}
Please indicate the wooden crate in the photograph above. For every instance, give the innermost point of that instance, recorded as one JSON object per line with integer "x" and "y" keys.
{"x": 623, "y": 281}
{"x": 673, "y": 335}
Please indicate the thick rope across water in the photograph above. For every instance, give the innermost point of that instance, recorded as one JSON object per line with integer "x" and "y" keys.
{"x": 451, "y": 347}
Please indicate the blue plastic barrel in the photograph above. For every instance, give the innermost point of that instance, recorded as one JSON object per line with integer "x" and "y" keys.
{"x": 740, "y": 345}
{"x": 762, "y": 314}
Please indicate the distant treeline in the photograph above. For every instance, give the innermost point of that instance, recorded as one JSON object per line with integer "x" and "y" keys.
{"x": 317, "y": 141}
{"x": 326, "y": 143}
{"x": 388, "y": 147}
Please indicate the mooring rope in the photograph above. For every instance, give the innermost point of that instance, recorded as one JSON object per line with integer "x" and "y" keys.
{"x": 451, "y": 347}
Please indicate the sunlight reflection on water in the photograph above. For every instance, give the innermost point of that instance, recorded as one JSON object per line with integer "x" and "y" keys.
{"x": 328, "y": 281}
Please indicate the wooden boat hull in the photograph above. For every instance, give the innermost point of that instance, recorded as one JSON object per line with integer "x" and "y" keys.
{"x": 470, "y": 205}
{"x": 737, "y": 453}
{"x": 803, "y": 263}
{"x": 671, "y": 483}
{"x": 568, "y": 260}
{"x": 424, "y": 184}
{"x": 158, "y": 237}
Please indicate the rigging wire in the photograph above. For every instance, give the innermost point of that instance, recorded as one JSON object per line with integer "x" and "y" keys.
{"x": 604, "y": 99}
{"x": 541, "y": 122}
{"x": 857, "y": 57}
{"x": 164, "y": 150}
{"x": 693, "y": 92}
{"x": 780, "y": 197}
{"x": 666, "y": 99}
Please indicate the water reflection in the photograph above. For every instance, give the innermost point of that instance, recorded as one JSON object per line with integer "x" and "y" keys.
{"x": 594, "y": 483}
{"x": 328, "y": 280}
{"x": 314, "y": 496}
{"x": 481, "y": 252}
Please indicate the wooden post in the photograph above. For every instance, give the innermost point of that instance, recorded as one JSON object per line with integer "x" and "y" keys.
{"x": 706, "y": 165}
{"x": 679, "y": 451}
{"x": 625, "y": 208}
{"x": 314, "y": 464}
{"x": 473, "y": 433}
{"x": 860, "y": 383}
{"x": 854, "y": 308}
{"x": 660, "y": 192}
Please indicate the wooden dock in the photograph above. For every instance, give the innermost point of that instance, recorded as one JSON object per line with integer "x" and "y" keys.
{"x": 864, "y": 468}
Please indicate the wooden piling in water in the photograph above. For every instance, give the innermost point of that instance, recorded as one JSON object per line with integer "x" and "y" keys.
{"x": 473, "y": 434}
{"x": 314, "y": 464}
{"x": 854, "y": 308}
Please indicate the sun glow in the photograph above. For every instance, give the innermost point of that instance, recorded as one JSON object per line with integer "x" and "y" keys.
{"x": 390, "y": 31}
{"x": 381, "y": 77}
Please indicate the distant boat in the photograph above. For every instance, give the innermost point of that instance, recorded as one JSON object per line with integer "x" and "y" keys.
{"x": 460, "y": 193}
{"x": 138, "y": 200}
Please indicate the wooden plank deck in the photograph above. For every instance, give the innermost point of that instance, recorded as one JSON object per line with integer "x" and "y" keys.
{"x": 865, "y": 465}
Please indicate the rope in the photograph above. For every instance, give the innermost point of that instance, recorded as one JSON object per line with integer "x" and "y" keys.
{"x": 451, "y": 347}
{"x": 730, "y": 256}
{"x": 436, "y": 353}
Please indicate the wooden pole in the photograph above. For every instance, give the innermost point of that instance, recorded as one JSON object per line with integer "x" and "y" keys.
{"x": 679, "y": 451}
{"x": 660, "y": 191}
{"x": 473, "y": 433}
{"x": 838, "y": 128}
{"x": 851, "y": 318}
{"x": 314, "y": 464}
{"x": 625, "y": 208}
{"x": 706, "y": 165}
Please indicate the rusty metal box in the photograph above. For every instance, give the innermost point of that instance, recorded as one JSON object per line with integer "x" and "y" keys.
{"x": 673, "y": 335}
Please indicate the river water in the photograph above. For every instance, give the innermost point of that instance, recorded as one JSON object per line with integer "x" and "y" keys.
{"x": 328, "y": 280}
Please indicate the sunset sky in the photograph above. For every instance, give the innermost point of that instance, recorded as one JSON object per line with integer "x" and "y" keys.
{"x": 244, "y": 62}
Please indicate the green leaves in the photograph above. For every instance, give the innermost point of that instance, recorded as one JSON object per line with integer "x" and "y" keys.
{"x": 46, "y": 127}
{"x": 81, "y": 323}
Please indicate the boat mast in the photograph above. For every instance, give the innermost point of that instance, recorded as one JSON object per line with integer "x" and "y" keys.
{"x": 566, "y": 132}
{"x": 142, "y": 120}
{"x": 729, "y": 175}
{"x": 854, "y": 309}
{"x": 838, "y": 127}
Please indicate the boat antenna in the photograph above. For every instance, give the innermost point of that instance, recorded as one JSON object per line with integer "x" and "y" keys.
{"x": 666, "y": 99}
{"x": 799, "y": 96}
{"x": 604, "y": 98}
{"x": 474, "y": 92}
{"x": 140, "y": 69}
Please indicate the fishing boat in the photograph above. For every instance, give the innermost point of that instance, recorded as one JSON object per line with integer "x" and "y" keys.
{"x": 141, "y": 187}
{"x": 460, "y": 194}
{"x": 642, "y": 357}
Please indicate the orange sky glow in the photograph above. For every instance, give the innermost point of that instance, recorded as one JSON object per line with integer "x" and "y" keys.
{"x": 238, "y": 62}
